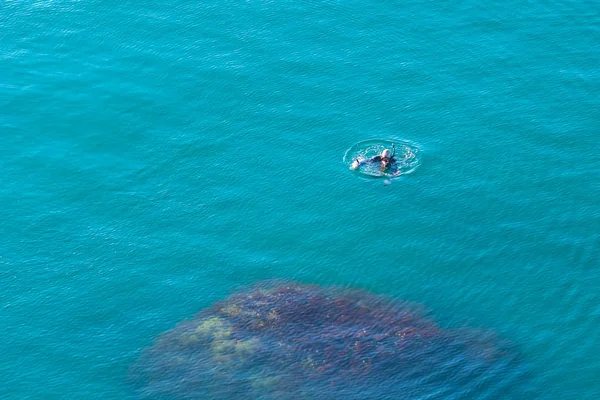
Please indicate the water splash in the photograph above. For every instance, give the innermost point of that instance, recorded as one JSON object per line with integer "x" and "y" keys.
{"x": 408, "y": 156}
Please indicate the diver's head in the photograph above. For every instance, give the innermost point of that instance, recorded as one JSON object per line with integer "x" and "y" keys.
{"x": 386, "y": 159}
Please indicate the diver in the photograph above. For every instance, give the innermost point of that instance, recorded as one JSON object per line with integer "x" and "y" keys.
{"x": 386, "y": 160}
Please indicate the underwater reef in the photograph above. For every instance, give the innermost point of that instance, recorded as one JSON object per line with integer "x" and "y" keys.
{"x": 295, "y": 341}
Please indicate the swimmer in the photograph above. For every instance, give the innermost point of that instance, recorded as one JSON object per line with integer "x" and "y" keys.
{"x": 386, "y": 159}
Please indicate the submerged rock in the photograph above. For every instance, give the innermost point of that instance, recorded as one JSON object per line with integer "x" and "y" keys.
{"x": 293, "y": 341}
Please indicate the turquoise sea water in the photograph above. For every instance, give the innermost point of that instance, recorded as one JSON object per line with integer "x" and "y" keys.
{"x": 158, "y": 156}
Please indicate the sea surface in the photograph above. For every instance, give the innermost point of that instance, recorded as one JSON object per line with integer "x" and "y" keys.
{"x": 158, "y": 156}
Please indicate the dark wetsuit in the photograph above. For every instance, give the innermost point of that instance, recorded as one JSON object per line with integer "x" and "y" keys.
{"x": 392, "y": 165}
{"x": 377, "y": 159}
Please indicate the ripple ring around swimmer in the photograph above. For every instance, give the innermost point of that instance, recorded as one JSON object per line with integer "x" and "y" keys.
{"x": 408, "y": 157}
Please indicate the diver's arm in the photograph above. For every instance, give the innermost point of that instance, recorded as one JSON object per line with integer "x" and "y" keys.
{"x": 360, "y": 161}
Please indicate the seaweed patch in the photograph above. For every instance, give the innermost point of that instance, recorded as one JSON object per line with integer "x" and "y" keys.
{"x": 295, "y": 341}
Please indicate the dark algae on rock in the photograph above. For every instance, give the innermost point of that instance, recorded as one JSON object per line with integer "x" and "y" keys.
{"x": 295, "y": 341}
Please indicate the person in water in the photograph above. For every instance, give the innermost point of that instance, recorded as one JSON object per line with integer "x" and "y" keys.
{"x": 385, "y": 159}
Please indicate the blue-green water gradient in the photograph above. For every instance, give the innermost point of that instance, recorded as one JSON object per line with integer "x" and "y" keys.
{"x": 157, "y": 156}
